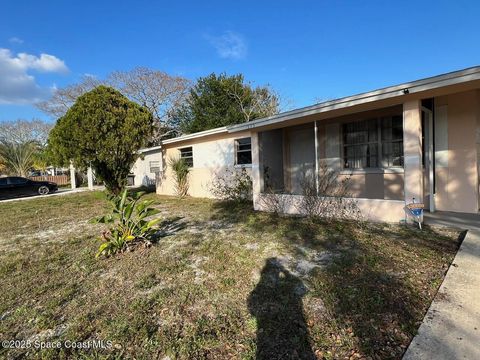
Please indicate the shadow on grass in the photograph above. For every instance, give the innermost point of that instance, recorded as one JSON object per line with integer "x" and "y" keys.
{"x": 377, "y": 292}
{"x": 376, "y": 289}
{"x": 170, "y": 226}
{"x": 276, "y": 303}
{"x": 233, "y": 212}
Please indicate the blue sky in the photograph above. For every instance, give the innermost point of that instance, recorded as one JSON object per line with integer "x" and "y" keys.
{"x": 307, "y": 50}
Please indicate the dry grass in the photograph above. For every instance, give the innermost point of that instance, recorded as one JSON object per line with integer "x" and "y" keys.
{"x": 224, "y": 282}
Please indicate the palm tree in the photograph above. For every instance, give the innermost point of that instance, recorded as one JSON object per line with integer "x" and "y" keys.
{"x": 17, "y": 158}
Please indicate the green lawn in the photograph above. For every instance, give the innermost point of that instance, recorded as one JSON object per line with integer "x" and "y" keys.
{"x": 224, "y": 282}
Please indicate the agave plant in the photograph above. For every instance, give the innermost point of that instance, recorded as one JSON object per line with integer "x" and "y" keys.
{"x": 129, "y": 224}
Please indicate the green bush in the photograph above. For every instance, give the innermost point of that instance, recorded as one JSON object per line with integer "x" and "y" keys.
{"x": 129, "y": 226}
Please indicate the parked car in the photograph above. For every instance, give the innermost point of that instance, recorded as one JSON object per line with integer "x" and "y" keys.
{"x": 14, "y": 186}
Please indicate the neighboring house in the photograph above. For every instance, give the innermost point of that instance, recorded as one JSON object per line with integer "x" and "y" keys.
{"x": 147, "y": 167}
{"x": 415, "y": 140}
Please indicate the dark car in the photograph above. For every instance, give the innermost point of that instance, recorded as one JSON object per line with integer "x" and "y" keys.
{"x": 18, "y": 186}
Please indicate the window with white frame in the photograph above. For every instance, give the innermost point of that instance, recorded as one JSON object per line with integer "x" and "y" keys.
{"x": 243, "y": 151}
{"x": 154, "y": 167}
{"x": 187, "y": 155}
{"x": 373, "y": 143}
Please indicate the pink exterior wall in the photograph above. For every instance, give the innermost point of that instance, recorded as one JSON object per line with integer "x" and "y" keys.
{"x": 371, "y": 209}
{"x": 386, "y": 184}
{"x": 457, "y": 173}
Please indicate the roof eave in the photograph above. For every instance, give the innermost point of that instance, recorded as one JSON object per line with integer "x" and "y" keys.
{"x": 453, "y": 78}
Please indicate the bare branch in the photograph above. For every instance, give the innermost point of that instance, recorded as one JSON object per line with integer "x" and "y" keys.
{"x": 24, "y": 131}
{"x": 159, "y": 92}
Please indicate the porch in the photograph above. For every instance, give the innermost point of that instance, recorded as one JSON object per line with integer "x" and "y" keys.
{"x": 421, "y": 150}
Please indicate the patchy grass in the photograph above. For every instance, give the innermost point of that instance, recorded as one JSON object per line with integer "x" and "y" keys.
{"x": 223, "y": 282}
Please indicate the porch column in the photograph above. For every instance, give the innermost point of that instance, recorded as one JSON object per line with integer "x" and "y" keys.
{"x": 412, "y": 151}
{"x": 72, "y": 176}
{"x": 257, "y": 164}
{"x": 90, "y": 178}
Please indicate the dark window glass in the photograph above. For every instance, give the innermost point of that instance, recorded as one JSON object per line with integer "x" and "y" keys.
{"x": 360, "y": 144}
{"x": 392, "y": 141}
{"x": 17, "y": 180}
{"x": 187, "y": 155}
{"x": 243, "y": 151}
{"x": 3, "y": 181}
{"x": 373, "y": 143}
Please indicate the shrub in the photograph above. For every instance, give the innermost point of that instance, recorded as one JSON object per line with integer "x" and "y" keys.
{"x": 233, "y": 185}
{"x": 181, "y": 172}
{"x": 274, "y": 199}
{"x": 330, "y": 199}
{"x": 129, "y": 224}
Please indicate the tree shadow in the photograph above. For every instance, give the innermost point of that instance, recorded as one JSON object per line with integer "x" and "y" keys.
{"x": 170, "y": 226}
{"x": 233, "y": 212}
{"x": 276, "y": 303}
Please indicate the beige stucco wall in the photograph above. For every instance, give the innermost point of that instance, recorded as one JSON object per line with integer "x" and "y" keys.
{"x": 212, "y": 155}
{"x": 141, "y": 168}
{"x": 456, "y": 167}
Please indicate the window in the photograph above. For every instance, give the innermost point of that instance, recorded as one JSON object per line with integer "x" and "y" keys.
{"x": 373, "y": 143}
{"x": 243, "y": 151}
{"x": 3, "y": 181}
{"x": 154, "y": 167}
{"x": 187, "y": 155}
{"x": 392, "y": 141}
{"x": 17, "y": 180}
{"x": 360, "y": 141}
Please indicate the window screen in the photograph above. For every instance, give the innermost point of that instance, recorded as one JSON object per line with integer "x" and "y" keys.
{"x": 187, "y": 155}
{"x": 374, "y": 143}
{"x": 243, "y": 151}
{"x": 154, "y": 167}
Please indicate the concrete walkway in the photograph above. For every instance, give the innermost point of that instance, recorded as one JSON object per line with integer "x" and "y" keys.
{"x": 451, "y": 327}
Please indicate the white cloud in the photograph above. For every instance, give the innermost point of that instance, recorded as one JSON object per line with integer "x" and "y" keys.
{"x": 229, "y": 45}
{"x": 15, "y": 40}
{"x": 17, "y": 85}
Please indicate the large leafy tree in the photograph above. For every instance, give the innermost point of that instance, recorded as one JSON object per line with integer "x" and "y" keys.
{"x": 221, "y": 100}
{"x": 104, "y": 130}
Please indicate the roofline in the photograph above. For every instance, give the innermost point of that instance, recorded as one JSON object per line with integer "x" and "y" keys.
{"x": 196, "y": 135}
{"x": 451, "y": 78}
{"x": 153, "y": 148}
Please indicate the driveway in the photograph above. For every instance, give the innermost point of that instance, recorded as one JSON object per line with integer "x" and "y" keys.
{"x": 451, "y": 327}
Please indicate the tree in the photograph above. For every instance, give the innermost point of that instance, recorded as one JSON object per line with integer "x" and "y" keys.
{"x": 257, "y": 102}
{"x": 20, "y": 142}
{"x": 17, "y": 158}
{"x": 222, "y": 100}
{"x": 104, "y": 130}
{"x": 22, "y": 131}
{"x": 158, "y": 91}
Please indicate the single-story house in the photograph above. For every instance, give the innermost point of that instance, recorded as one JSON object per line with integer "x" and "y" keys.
{"x": 210, "y": 153}
{"x": 147, "y": 166}
{"x": 415, "y": 140}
